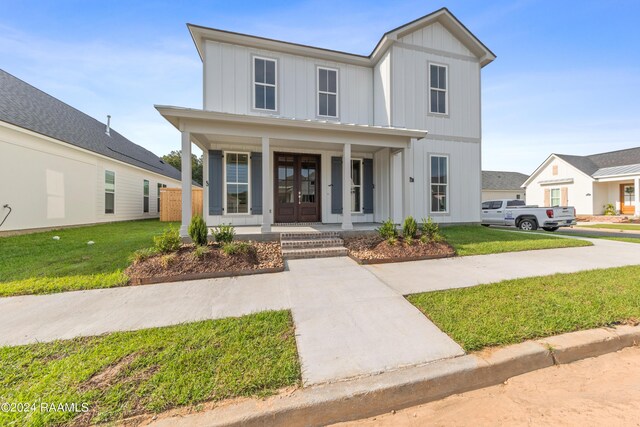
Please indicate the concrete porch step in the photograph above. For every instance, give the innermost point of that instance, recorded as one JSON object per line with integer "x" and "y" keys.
{"x": 309, "y": 235}
{"x": 320, "y": 252}
{"x": 322, "y": 242}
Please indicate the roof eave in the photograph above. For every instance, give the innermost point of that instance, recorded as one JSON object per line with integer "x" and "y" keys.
{"x": 174, "y": 114}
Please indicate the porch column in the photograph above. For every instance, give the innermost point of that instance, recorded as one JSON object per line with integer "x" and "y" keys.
{"x": 186, "y": 183}
{"x": 346, "y": 188}
{"x": 267, "y": 186}
{"x": 636, "y": 191}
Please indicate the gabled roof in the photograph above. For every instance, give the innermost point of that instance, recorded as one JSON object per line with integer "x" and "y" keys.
{"x": 30, "y": 108}
{"x": 619, "y": 162}
{"x": 502, "y": 180}
{"x": 596, "y": 162}
{"x": 443, "y": 16}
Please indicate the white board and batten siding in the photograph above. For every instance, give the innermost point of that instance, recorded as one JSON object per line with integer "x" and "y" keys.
{"x": 55, "y": 184}
{"x": 457, "y": 134}
{"x": 228, "y": 84}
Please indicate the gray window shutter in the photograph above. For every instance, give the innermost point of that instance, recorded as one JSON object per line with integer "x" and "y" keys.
{"x": 367, "y": 186}
{"x": 256, "y": 183}
{"x": 215, "y": 182}
{"x": 336, "y": 185}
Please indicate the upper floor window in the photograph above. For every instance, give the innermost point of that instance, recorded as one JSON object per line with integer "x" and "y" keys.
{"x": 327, "y": 92}
{"x": 438, "y": 89}
{"x": 264, "y": 84}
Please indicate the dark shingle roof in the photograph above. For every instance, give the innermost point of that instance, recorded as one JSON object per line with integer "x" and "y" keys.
{"x": 590, "y": 164}
{"x": 501, "y": 180}
{"x": 28, "y": 107}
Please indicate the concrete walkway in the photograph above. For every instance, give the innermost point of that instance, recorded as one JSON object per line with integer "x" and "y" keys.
{"x": 432, "y": 275}
{"x": 349, "y": 320}
{"x": 348, "y": 323}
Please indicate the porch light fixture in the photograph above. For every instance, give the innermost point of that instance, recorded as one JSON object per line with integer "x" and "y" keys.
{"x": 588, "y": 194}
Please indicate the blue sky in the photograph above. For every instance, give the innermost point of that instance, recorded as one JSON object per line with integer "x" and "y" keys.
{"x": 566, "y": 80}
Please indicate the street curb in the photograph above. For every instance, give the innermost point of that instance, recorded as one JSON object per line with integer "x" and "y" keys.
{"x": 395, "y": 390}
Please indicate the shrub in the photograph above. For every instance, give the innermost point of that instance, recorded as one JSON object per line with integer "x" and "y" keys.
{"x": 200, "y": 251}
{"x": 224, "y": 233}
{"x": 392, "y": 240}
{"x": 198, "y": 230}
{"x": 409, "y": 241}
{"x": 168, "y": 241}
{"x": 142, "y": 254}
{"x": 430, "y": 231}
{"x": 409, "y": 228}
{"x": 167, "y": 260}
{"x": 387, "y": 230}
{"x": 609, "y": 209}
{"x": 234, "y": 248}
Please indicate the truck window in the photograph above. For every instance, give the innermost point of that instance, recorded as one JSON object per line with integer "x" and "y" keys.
{"x": 496, "y": 205}
{"x": 486, "y": 205}
{"x": 515, "y": 203}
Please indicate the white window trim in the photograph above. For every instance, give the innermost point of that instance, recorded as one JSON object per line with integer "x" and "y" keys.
{"x": 446, "y": 91}
{"x": 148, "y": 196}
{"x": 318, "y": 92}
{"x": 114, "y": 192}
{"x": 448, "y": 184}
{"x": 360, "y": 185}
{"x": 254, "y": 83}
{"x": 224, "y": 189}
{"x": 551, "y": 190}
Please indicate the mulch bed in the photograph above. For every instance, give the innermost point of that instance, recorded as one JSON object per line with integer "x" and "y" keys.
{"x": 263, "y": 257}
{"x": 613, "y": 219}
{"x": 373, "y": 249}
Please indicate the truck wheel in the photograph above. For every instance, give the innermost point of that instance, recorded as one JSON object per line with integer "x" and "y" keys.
{"x": 528, "y": 225}
{"x": 550, "y": 228}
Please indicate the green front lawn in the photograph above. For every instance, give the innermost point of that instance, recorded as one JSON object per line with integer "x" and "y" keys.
{"x": 477, "y": 240}
{"x": 37, "y": 264}
{"x": 635, "y": 227}
{"x": 512, "y": 311}
{"x": 152, "y": 370}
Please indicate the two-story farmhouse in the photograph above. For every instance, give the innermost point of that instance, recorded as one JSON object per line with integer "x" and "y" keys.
{"x": 295, "y": 133}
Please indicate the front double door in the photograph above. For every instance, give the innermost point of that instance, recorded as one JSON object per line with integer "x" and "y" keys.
{"x": 297, "y": 188}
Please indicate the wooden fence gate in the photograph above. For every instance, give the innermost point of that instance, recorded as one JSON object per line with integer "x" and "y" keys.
{"x": 171, "y": 203}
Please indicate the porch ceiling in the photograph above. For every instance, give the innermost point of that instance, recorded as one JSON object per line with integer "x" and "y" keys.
{"x": 210, "y": 126}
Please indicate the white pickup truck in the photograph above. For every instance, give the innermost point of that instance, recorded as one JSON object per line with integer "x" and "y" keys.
{"x": 515, "y": 213}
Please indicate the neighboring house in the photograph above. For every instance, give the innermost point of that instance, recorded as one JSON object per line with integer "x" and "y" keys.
{"x": 588, "y": 182}
{"x": 502, "y": 185}
{"x": 295, "y": 133}
{"x": 60, "y": 167}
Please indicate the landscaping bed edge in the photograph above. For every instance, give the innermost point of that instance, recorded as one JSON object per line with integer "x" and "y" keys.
{"x": 197, "y": 276}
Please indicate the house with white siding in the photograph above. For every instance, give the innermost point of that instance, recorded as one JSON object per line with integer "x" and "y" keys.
{"x": 60, "y": 167}
{"x": 589, "y": 183}
{"x": 300, "y": 134}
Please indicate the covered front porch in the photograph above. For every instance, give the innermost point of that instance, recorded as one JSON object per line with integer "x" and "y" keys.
{"x": 619, "y": 191}
{"x": 262, "y": 171}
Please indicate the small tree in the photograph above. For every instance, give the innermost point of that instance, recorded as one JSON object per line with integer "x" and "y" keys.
{"x": 198, "y": 230}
